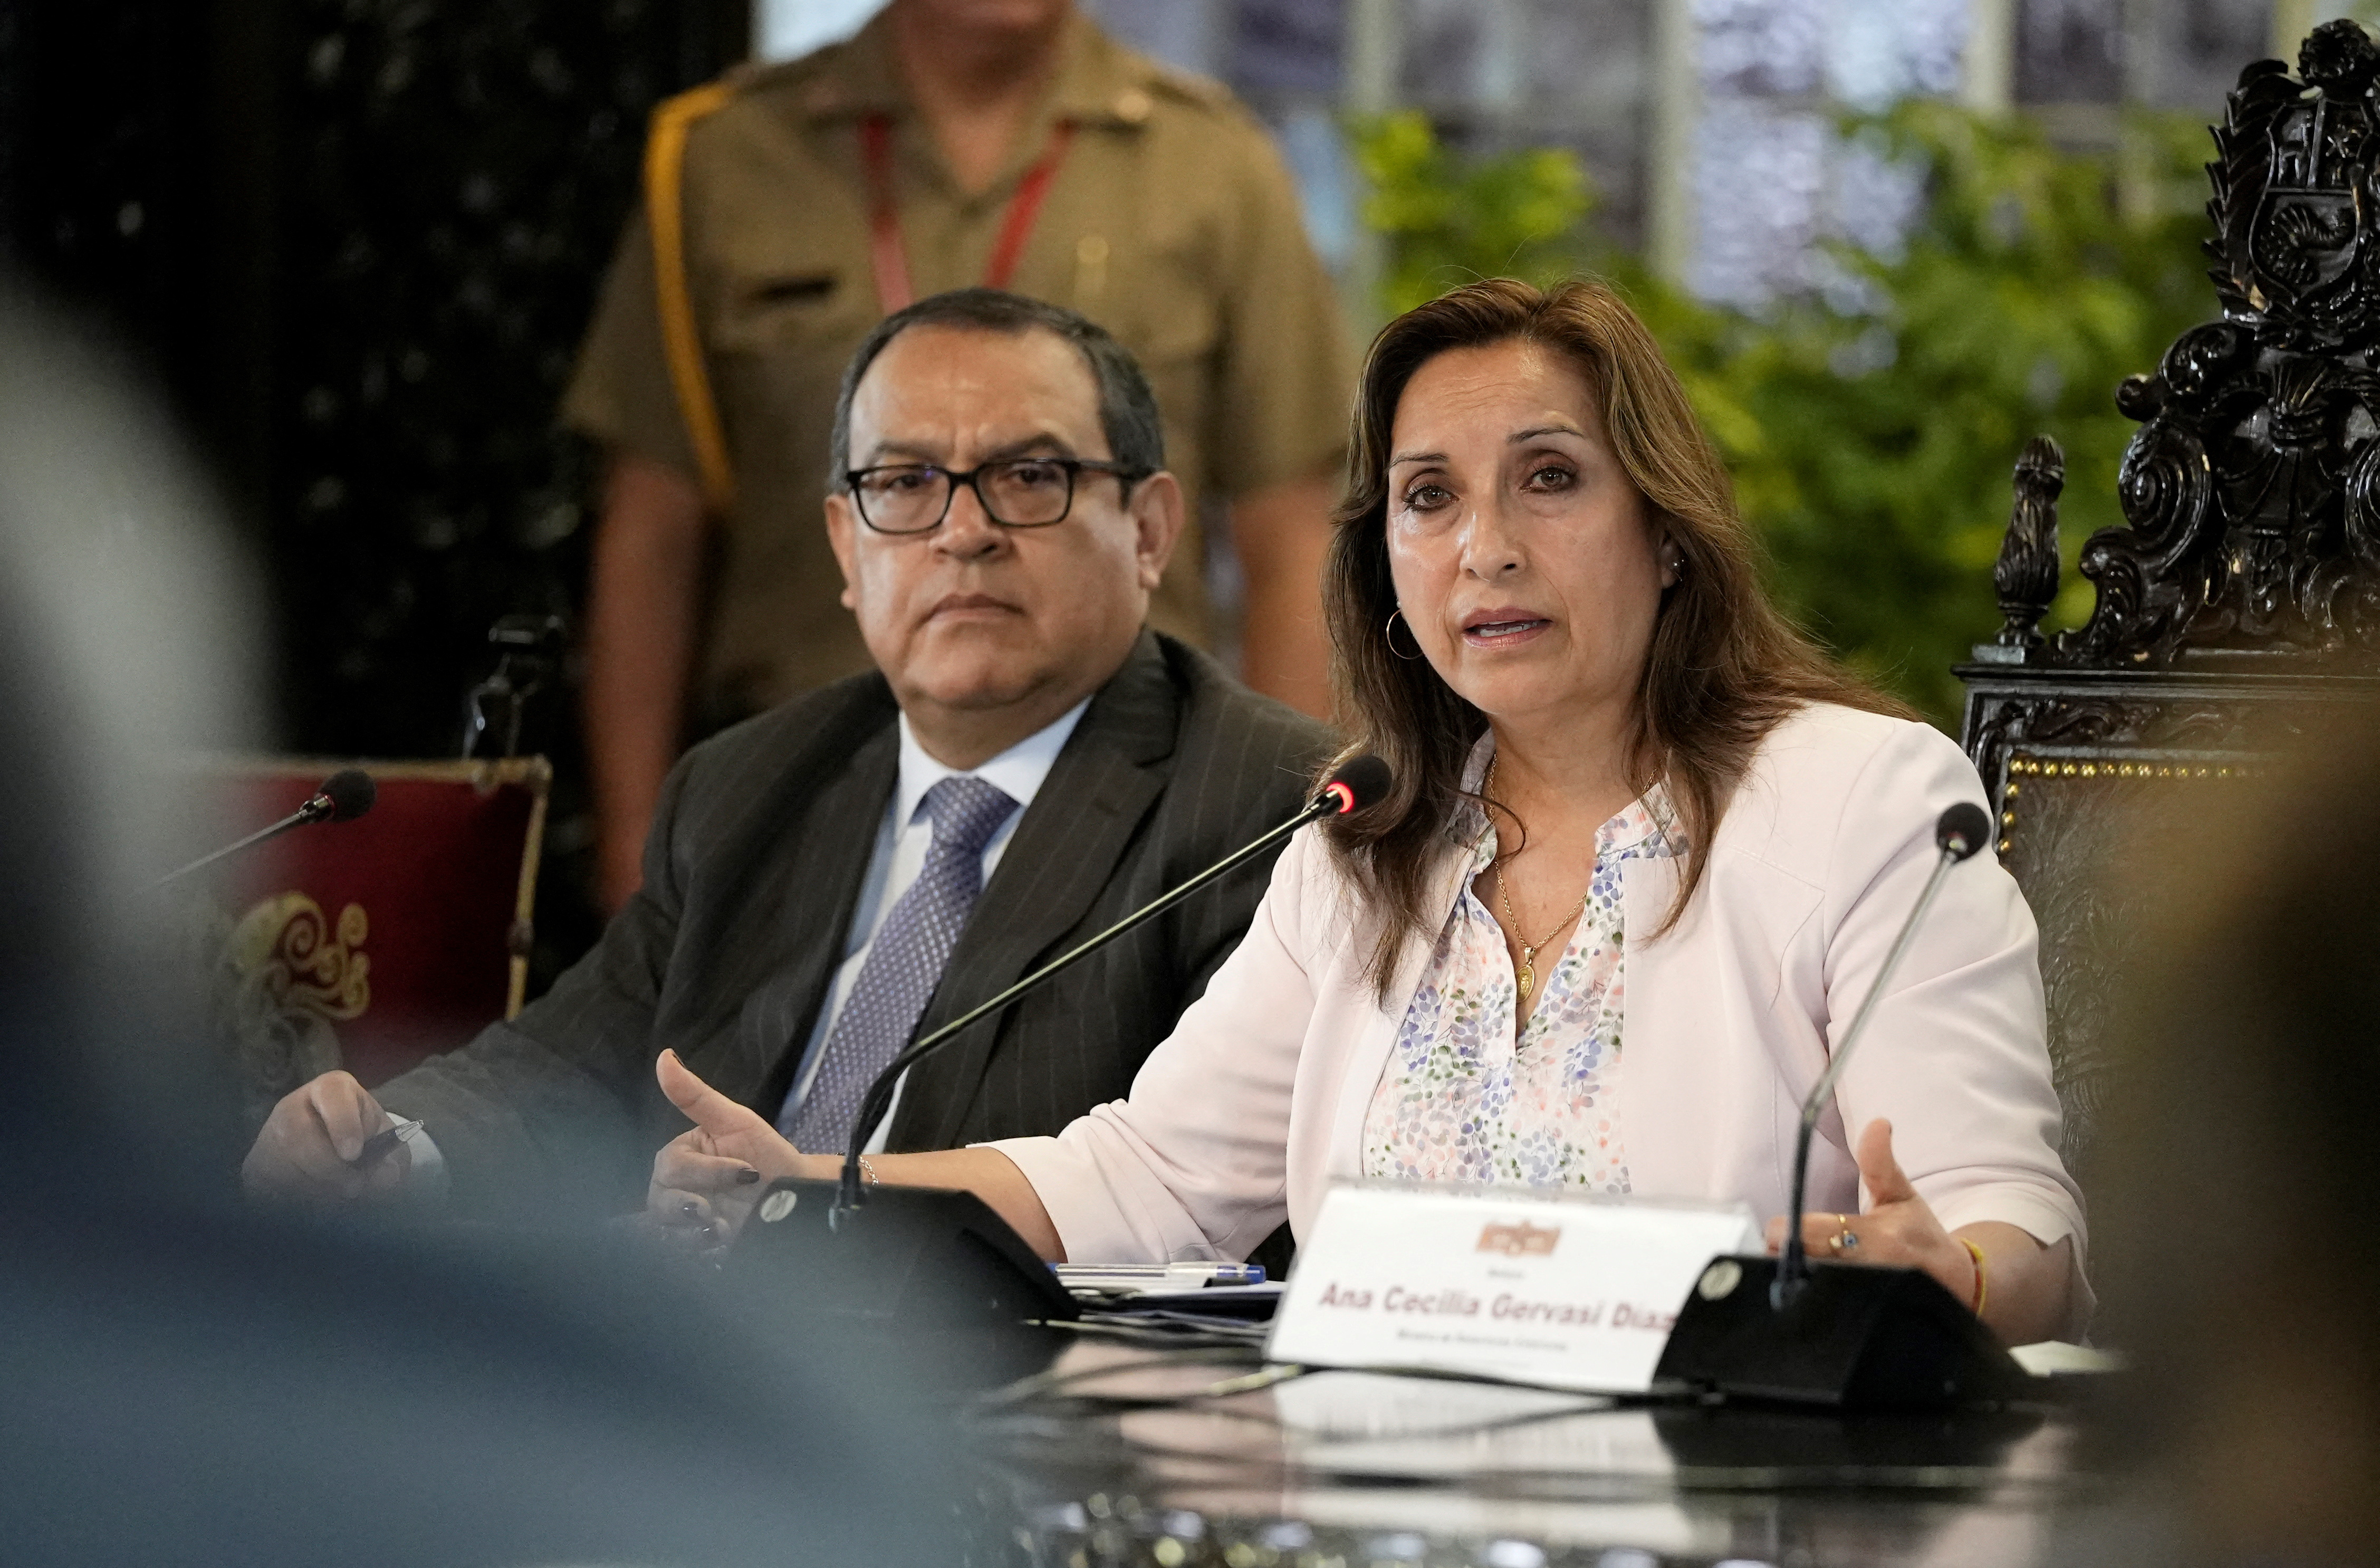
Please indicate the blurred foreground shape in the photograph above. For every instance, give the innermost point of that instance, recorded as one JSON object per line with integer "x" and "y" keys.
{"x": 192, "y": 1381}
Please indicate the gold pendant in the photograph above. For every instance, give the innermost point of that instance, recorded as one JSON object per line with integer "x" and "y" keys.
{"x": 1527, "y": 980}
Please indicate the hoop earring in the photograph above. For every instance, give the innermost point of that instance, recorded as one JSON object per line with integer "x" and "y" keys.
{"x": 1675, "y": 565}
{"x": 1389, "y": 635}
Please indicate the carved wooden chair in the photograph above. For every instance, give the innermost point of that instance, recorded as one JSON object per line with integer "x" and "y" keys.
{"x": 2239, "y": 607}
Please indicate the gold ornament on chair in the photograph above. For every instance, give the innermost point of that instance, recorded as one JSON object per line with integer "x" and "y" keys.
{"x": 288, "y": 946}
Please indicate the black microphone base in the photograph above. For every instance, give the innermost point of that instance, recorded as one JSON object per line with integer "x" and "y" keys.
{"x": 1855, "y": 1338}
{"x": 908, "y": 1258}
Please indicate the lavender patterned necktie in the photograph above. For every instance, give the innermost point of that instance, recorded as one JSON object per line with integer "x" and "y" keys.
{"x": 903, "y": 964}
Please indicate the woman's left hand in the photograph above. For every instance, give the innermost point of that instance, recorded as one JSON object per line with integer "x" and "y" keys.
{"x": 1896, "y": 1231}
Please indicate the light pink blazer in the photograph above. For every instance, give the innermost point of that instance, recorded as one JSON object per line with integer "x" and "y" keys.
{"x": 1256, "y": 1103}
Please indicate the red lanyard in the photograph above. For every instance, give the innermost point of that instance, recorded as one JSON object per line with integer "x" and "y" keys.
{"x": 890, "y": 260}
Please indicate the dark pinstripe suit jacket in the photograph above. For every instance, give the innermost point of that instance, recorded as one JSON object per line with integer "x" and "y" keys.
{"x": 757, "y": 850}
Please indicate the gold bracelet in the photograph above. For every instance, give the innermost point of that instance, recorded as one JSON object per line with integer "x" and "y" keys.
{"x": 1983, "y": 1280}
{"x": 869, "y": 1172}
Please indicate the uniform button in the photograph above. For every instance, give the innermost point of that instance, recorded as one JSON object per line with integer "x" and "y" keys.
{"x": 1132, "y": 105}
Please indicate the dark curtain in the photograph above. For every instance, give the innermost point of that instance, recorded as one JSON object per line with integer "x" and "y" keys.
{"x": 355, "y": 242}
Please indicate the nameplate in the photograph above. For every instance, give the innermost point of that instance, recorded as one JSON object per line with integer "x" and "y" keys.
{"x": 1562, "y": 1292}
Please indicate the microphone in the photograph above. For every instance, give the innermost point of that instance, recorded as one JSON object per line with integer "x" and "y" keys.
{"x": 1854, "y": 1336}
{"x": 345, "y": 795}
{"x": 1958, "y": 833}
{"x": 1356, "y": 783}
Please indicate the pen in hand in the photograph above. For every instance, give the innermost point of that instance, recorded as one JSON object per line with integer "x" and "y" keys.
{"x": 377, "y": 1147}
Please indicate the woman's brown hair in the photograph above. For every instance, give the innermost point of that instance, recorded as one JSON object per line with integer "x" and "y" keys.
{"x": 1725, "y": 666}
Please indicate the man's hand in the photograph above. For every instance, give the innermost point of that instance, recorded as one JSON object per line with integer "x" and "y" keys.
{"x": 308, "y": 1145}
{"x": 705, "y": 1180}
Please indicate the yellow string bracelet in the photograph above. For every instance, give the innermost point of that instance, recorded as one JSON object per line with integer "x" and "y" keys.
{"x": 1983, "y": 1280}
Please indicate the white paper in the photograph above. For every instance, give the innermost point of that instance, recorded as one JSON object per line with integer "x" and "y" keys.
{"x": 2055, "y": 1357}
{"x": 1527, "y": 1288}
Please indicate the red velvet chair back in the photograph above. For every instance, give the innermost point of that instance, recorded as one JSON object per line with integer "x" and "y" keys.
{"x": 408, "y": 929}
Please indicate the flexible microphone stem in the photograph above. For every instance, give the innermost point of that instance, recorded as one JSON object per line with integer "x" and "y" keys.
{"x": 1959, "y": 833}
{"x": 298, "y": 818}
{"x": 345, "y": 795}
{"x": 1348, "y": 791}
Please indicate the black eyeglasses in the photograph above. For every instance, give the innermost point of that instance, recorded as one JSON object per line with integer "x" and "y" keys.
{"x": 1016, "y": 492}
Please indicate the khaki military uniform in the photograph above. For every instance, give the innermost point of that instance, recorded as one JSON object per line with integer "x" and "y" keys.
{"x": 1169, "y": 220}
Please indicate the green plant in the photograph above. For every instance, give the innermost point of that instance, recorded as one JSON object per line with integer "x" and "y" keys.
{"x": 1449, "y": 221}
{"x": 1872, "y": 445}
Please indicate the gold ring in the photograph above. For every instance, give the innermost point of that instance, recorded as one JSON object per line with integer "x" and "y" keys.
{"x": 1842, "y": 1237}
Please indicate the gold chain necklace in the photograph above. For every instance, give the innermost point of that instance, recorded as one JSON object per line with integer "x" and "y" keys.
{"x": 1524, "y": 978}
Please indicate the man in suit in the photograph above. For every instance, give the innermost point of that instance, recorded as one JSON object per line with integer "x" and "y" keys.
{"x": 828, "y": 881}
{"x": 788, "y": 208}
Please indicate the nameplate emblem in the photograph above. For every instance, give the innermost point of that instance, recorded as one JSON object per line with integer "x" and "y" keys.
{"x": 1523, "y": 1240}
{"x": 1562, "y": 1292}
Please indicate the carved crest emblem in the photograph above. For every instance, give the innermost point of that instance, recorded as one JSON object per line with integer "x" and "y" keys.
{"x": 2292, "y": 193}
{"x": 2305, "y": 233}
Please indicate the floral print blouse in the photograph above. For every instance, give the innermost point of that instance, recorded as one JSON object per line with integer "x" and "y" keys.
{"x": 1462, "y": 1099}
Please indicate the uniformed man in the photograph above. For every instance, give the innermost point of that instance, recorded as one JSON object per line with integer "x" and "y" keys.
{"x": 788, "y": 209}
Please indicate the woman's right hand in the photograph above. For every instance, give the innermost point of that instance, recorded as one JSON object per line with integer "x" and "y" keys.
{"x": 706, "y": 1179}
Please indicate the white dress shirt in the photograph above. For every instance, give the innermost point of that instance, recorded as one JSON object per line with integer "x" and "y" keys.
{"x": 902, "y": 839}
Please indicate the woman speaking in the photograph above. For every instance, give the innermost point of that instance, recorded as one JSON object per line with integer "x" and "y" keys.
{"x": 1645, "y": 852}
